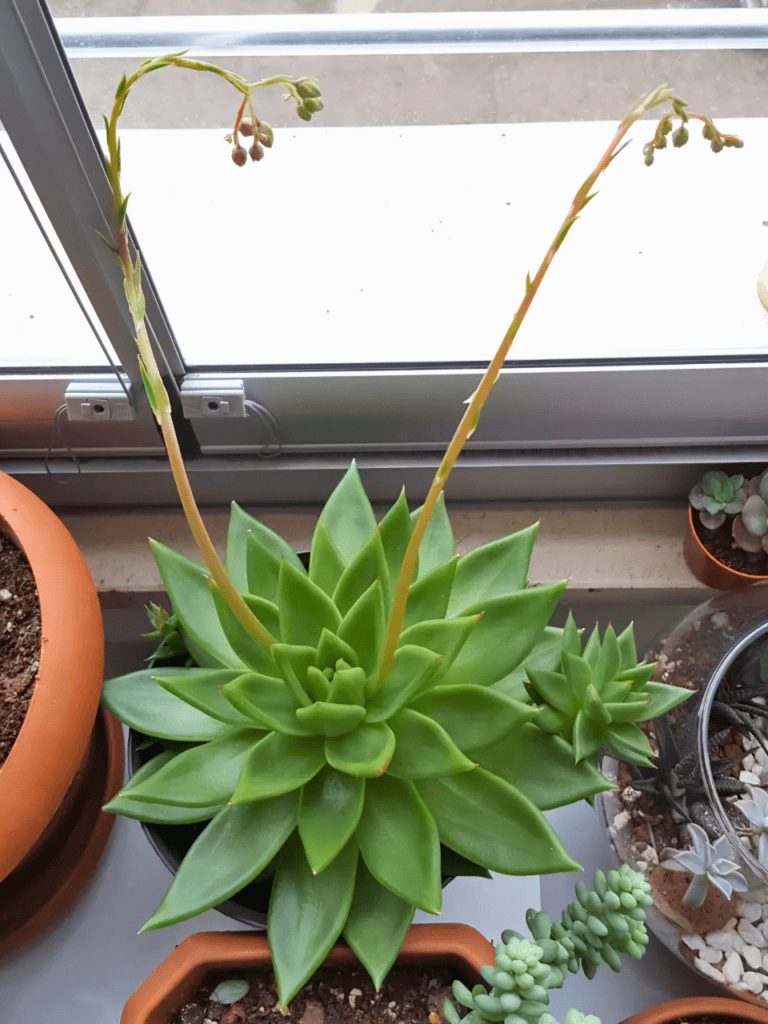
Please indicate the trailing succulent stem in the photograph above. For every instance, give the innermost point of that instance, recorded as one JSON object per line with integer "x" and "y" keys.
{"x": 600, "y": 925}
{"x": 358, "y": 728}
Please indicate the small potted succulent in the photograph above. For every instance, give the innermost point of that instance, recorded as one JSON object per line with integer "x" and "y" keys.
{"x": 726, "y": 545}
{"x": 347, "y": 733}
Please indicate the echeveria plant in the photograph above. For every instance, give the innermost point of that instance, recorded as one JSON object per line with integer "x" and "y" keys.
{"x": 600, "y": 925}
{"x": 709, "y": 863}
{"x": 361, "y": 726}
{"x": 717, "y": 495}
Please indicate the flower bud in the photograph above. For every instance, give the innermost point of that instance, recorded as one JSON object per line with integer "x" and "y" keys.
{"x": 716, "y": 145}
{"x": 306, "y": 88}
{"x": 313, "y": 105}
{"x": 239, "y": 156}
{"x": 246, "y": 127}
{"x": 707, "y": 132}
{"x": 649, "y": 158}
{"x": 304, "y": 114}
{"x": 680, "y": 137}
{"x": 266, "y": 135}
{"x": 256, "y": 152}
{"x": 661, "y": 142}
{"x": 734, "y": 141}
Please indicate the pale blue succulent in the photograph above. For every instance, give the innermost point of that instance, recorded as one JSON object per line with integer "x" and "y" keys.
{"x": 717, "y": 495}
{"x": 709, "y": 864}
{"x": 756, "y": 809}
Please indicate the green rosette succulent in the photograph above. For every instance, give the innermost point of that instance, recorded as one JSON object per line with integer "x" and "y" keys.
{"x": 598, "y": 695}
{"x": 357, "y": 792}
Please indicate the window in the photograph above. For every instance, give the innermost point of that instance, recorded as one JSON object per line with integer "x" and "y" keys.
{"x": 378, "y": 257}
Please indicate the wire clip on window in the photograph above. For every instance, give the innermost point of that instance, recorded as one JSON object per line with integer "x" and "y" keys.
{"x": 88, "y": 401}
{"x": 220, "y": 399}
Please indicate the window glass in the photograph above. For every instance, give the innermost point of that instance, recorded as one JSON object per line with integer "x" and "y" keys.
{"x": 399, "y": 226}
{"x": 45, "y": 322}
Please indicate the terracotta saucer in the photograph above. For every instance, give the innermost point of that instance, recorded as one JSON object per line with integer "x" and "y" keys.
{"x": 52, "y": 876}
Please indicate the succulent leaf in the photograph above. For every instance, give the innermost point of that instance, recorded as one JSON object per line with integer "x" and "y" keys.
{"x": 138, "y": 700}
{"x": 377, "y": 923}
{"x": 278, "y": 764}
{"x": 428, "y": 597}
{"x": 233, "y": 850}
{"x": 395, "y": 530}
{"x": 262, "y": 569}
{"x": 365, "y": 568}
{"x": 364, "y": 628}
{"x": 240, "y": 526}
{"x": 511, "y": 835}
{"x": 161, "y": 814}
{"x": 412, "y": 671}
{"x": 438, "y": 545}
{"x": 186, "y": 584}
{"x": 493, "y": 570}
{"x": 423, "y": 749}
{"x": 198, "y": 777}
{"x": 445, "y": 637}
{"x": 473, "y": 716}
{"x": 330, "y": 809}
{"x": 348, "y": 515}
{"x": 557, "y": 780}
{"x": 325, "y": 563}
{"x": 267, "y": 702}
{"x": 506, "y": 633}
{"x": 202, "y": 689}
{"x": 365, "y": 751}
{"x": 307, "y": 912}
{"x": 305, "y": 609}
{"x": 324, "y": 718}
{"x": 399, "y": 842}
{"x": 331, "y": 648}
{"x": 250, "y": 654}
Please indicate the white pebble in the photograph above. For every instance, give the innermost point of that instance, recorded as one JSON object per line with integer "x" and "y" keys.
{"x": 709, "y": 970}
{"x": 762, "y": 757}
{"x": 740, "y": 987}
{"x": 765, "y": 961}
{"x": 733, "y": 968}
{"x": 712, "y": 956}
{"x": 749, "y": 762}
{"x": 753, "y": 956}
{"x": 752, "y": 911}
{"x": 622, "y": 819}
{"x": 720, "y": 620}
{"x": 721, "y": 940}
{"x": 730, "y": 924}
{"x": 694, "y": 941}
{"x": 751, "y": 935}
{"x": 754, "y": 982}
{"x": 750, "y": 778}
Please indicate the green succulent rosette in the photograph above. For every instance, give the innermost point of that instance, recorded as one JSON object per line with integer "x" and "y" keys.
{"x": 356, "y": 792}
{"x": 598, "y": 695}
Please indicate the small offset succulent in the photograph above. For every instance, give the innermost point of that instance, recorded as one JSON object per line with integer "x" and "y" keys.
{"x": 351, "y": 728}
{"x": 597, "y": 696}
{"x": 717, "y": 495}
{"x": 709, "y": 863}
{"x": 755, "y": 809}
{"x": 596, "y": 929}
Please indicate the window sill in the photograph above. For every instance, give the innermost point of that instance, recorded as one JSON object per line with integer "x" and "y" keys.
{"x": 633, "y": 548}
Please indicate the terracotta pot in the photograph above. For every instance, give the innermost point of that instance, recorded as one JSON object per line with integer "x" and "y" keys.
{"x": 54, "y": 739}
{"x": 177, "y": 978}
{"x": 709, "y": 570}
{"x": 695, "y": 1006}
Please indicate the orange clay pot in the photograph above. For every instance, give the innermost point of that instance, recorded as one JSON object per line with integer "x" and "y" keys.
{"x": 40, "y": 780}
{"x": 690, "y": 1009}
{"x": 177, "y": 978}
{"x": 709, "y": 570}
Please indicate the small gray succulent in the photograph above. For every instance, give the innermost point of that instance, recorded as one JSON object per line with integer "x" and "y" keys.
{"x": 756, "y": 809}
{"x": 717, "y": 495}
{"x": 709, "y": 864}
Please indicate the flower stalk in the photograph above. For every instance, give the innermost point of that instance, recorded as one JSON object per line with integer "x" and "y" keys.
{"x": 471, "y": 417}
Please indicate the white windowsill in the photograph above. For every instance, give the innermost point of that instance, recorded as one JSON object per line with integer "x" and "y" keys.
{"x": 596, "y": 546}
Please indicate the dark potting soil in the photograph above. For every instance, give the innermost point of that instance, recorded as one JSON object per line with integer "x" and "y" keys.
{"x": 19, "y": 641}
{"x": 719, "y": 543}
{"x": 343, "y": 995}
